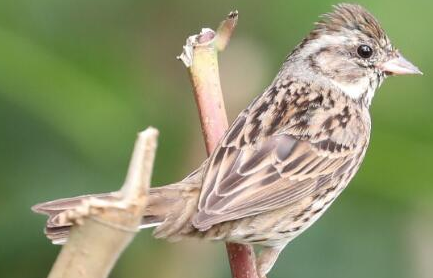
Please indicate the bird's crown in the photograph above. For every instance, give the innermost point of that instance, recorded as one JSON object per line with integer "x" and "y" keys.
{"x": 351, "y": 18}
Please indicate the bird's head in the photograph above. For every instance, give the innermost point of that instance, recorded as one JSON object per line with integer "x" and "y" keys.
{"x": 350, "y": 48}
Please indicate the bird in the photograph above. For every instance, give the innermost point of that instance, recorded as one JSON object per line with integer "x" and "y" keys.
{"x": 288, "y": 155}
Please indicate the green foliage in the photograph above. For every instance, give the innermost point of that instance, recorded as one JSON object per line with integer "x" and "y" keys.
{"x": 78, "y": 79}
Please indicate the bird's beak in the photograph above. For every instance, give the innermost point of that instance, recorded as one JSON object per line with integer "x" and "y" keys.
{"x": 398, "y": 66}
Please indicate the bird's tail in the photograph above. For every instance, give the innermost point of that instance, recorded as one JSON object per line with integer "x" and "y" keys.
{"x": 169, "y": 207}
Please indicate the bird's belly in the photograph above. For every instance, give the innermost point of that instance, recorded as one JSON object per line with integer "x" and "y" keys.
{"x": 278, "y": 226}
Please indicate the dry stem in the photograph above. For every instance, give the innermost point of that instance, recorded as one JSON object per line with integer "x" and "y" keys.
{"x": 200, "y": 57}
{"x": 95, "y": 245}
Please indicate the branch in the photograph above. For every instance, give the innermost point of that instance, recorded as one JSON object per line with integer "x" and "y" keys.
{"x": 103, "y": 229}
{"x": 200, "y": 57}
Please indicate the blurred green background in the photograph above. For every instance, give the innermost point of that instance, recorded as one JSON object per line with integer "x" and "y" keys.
{"x": 79, "y": 79}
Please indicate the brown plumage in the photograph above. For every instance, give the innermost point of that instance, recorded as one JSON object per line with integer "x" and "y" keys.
{"x": 288, "y": 155}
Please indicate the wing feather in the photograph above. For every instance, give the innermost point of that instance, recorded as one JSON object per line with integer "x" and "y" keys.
{"x": 259, "y": 168}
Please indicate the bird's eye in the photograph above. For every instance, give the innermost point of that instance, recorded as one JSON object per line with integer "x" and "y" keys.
{"x": 365, "y": 51}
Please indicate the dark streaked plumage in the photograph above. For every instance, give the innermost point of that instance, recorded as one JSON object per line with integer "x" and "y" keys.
{"x": 289, "y": 154}
{"x": 352, "y": 18}
{"x": 263, "y": 167}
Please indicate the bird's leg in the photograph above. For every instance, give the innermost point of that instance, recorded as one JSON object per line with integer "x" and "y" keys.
{"x": 267, "y": 258}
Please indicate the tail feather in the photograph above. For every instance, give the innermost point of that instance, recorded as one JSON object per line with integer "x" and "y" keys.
{"x": 164, "y": 203}
{"x": 56, "y": 231}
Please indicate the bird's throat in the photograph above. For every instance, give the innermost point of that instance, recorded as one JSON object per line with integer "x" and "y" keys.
{"x": 356, "y": 90}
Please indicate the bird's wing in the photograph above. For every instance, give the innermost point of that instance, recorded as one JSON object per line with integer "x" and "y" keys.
{"x": 256, "y": 169}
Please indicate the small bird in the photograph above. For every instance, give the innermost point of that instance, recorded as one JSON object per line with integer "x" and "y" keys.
{"x": 288, "y": 155}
